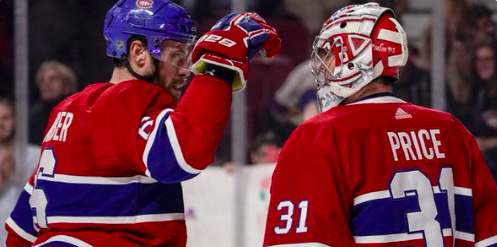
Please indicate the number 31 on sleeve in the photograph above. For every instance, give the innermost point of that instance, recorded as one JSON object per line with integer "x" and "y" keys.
{"x": 303, "y": 206}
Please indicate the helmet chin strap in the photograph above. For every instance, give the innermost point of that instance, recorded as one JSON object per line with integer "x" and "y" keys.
{"x": 149, "y": 78}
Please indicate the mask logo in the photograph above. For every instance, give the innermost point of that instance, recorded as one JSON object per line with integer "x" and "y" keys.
{"x": 146, "y": 4}
{"x": 327, "y": 99}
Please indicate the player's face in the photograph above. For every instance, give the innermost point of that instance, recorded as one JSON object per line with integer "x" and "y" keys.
{"x": 174, "y": 68}
{"x": 330, "y": 63}
{"x": 327, "y": 66}
{"x": 6, "y": 123}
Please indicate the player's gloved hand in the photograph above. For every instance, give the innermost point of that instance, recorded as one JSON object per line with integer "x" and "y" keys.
{"x": 232, "y": 42}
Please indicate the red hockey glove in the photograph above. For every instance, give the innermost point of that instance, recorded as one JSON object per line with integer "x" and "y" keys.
{"x": 232, "y": 42}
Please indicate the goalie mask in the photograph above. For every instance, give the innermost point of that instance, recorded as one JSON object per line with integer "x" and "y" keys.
{"x": 356, "y": 45}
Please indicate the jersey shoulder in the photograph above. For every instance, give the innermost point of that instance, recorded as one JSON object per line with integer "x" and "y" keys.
{"x": 128, "y": 92}
{"x": 341, "y": 121}
{"x": 135, "y": 93}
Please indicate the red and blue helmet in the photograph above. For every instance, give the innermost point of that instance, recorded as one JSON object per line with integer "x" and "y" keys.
{"x": 358, "y": 44}
{"x": 156, "y": 20}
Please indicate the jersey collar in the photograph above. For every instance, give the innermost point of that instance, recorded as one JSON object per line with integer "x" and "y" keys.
{"x": 378, "y": 98}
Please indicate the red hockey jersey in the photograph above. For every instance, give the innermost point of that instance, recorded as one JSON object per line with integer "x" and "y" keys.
{"x": 112, "y": 160}
{"x": 382, "y": 172}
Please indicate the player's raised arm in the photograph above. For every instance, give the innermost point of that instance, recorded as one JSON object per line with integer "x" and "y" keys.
{"x": 90, "y": 189}
{"x": 190, "y": 134}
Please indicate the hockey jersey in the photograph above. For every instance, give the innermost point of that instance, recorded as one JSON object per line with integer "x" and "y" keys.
{"x": 112, "y": 160}
{"x": 382, "y": 172}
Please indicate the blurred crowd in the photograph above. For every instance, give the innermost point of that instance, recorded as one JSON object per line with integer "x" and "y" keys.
{"x": 67, "y": 52}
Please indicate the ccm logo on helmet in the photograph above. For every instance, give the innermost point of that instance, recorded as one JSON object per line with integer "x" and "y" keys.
{"x": 146, "y": 4}
{"x": 218, "y": 39}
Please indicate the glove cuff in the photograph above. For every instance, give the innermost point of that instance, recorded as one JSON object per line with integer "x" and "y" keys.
{"x": 233, "y": 72}
{"x": 225, "y": 74}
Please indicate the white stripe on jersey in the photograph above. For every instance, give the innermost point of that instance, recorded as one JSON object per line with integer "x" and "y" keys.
{"x": 65, "y": 239}
{"x": 372, "y": 196}
{"x": 380, "y": 239}
{"x": 98, "y": 180}
{"x": 301, "y": 245}
{"x": 12, "y": 224}
{"x": 173, "y": 140}
{"x": 470, "y": 237}
{"x": 171, "y": 133}
{"x": 463, "y": 191}
{"x": 383, "y": 194}
{"x": 376, "y": 239}
{"x": 385, "y": 99}
{"x": 117, "y": 220}
{"x": 29, "y": 188}
{"x": 487, "y": 242}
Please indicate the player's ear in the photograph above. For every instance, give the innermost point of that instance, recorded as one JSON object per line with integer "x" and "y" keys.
{"x": 138, "y": 53}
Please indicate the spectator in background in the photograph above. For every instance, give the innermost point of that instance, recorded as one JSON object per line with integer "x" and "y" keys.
{"x": 484, "y": 126}
{"x": 314, "y": 12}
{"x": 11, "y": 181}
{"x": 296, "y": 97}
{"x": 265, "y": 149}
{"x": 414, "y": 82}
{"x": 460, "y": 34}
{"x": 55, "y": 82}
{"x": 484, "y": 22}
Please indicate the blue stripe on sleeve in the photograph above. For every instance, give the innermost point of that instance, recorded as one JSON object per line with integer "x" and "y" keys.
{"x": 161, "y": 161}
{"x": 58, "y": 244}
{"x": 22, "y": 215}
{"x": 464, "y": 213}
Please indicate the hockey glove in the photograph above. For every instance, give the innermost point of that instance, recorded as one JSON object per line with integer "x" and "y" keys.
{"x": 232, "y": 42}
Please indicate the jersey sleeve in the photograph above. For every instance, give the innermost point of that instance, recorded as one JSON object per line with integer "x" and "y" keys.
{"x": 484, "y": 196}
{"x": 309, "y": 205}
{"x": 19, "y": 225}
{"x": 174, "y": 143}
{"x": 182, "y": 141}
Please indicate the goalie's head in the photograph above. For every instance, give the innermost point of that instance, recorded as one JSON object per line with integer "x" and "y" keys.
{"x": 358, "y": 44}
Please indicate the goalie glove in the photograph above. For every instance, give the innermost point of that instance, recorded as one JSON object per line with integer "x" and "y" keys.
{"x": 225, "y": 51}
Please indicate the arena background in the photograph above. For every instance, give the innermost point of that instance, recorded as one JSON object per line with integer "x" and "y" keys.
{"x": 226, "y": 204}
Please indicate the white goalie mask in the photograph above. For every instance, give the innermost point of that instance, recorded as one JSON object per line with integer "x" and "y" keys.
{"x": 355, "y": 46}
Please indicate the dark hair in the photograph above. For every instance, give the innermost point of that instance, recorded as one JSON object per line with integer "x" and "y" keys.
{"x": 482, "y": 42}
{"x": 481, "y": 10}
{"x": 7, "y": 102}
{"x": 121, "y": 62}
{"x": 268, "y": 138}
{"x": 388, "y": 80}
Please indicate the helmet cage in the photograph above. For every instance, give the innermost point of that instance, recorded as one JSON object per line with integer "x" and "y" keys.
{"x": 325, "y": 65}
{"x": 351, "y": 67}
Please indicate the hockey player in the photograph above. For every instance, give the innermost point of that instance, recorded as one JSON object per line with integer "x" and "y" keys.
{"x": 371, "y": 169}
{"x": 114, "y": 154}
